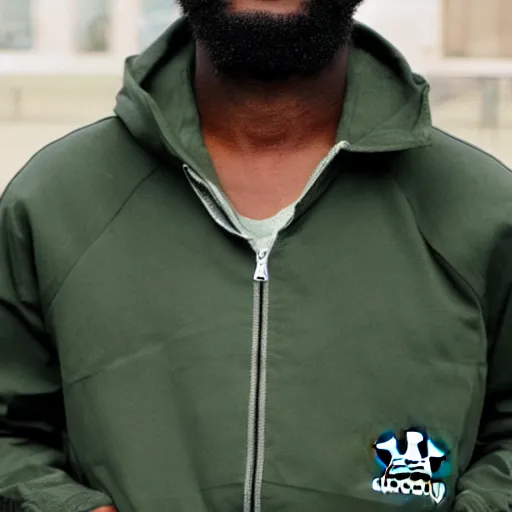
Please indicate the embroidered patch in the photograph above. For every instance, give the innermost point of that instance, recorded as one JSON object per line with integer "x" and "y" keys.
{"x": 411, "y": 466}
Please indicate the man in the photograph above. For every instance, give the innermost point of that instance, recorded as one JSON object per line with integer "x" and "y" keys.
{"x": 266, "y": 284}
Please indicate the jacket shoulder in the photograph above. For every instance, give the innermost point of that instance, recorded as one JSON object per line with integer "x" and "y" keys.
{"x": 69, "y": 192}
{"x": 462, "y": 201}
{"x": 79, "y": 162}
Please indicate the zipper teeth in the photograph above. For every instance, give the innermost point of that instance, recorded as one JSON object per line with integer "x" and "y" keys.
{"x": 212, "y": 204}
{"x": 256, "y": 427}
{"x": 258, "y": 395}
{"x": 262, "y": 397}
{"x": 342, "y": 145}
{"x": 253, "y": 396}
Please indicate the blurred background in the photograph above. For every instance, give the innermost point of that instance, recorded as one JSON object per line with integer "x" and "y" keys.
{"x": 61, "y": 63}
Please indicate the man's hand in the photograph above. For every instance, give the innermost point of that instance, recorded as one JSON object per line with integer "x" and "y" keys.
{"x": 105, "y": 509}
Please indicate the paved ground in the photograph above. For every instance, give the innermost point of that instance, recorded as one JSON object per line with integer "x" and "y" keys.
{"x": 38, "y": 113}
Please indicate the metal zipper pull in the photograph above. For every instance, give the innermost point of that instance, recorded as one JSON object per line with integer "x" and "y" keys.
{"x": 261, "y": 273}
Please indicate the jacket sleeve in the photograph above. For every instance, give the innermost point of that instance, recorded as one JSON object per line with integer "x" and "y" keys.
{"x": 34, "y": 473}
{"x": 487, "y": 485}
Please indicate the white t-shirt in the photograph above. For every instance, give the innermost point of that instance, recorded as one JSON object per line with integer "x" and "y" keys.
{"x": 263, "y": 232}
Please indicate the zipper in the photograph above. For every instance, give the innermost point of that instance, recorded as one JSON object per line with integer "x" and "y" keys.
{"x": 258, "y": 393}
{"x": 213, "y": 201}
{"x": 257, "y": 398}
{"x": 222, "y": 213}
{"x": 261, "y": 272}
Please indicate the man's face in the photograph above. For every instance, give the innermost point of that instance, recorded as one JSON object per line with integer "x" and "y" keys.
{"x": 271, "y": 40}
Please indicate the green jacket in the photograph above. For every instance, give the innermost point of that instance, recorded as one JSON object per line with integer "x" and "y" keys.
{"x": 365, "y": 366}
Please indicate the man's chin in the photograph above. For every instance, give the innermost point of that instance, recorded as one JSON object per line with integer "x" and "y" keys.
{"x": 270, "y": 7}
{"x": 268, "y": 64}
{"x": 269, "y": 46}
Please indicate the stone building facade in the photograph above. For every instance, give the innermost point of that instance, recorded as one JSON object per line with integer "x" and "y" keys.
{"x": 96, "y": 35}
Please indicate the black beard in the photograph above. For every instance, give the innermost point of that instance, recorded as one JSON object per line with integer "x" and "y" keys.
{"x": 271, "y": 47}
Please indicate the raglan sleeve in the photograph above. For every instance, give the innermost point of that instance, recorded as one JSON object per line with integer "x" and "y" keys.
{"x": 487, "y": 485}
{"x": 34, "y": 470}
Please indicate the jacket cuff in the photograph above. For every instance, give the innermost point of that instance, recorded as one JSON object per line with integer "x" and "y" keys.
{"x": 10, "y": 505}
{"x": 86, "y": 502}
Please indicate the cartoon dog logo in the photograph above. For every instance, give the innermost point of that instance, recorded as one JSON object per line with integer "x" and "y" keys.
{"x": 410, "y": 470}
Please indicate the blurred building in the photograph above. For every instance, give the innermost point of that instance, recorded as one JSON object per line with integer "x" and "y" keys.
{"x": 77, "y": 35}
{"x": 98, "y": 34}
{"x": 61, "y": 63}
{"x": 458, "y": 36}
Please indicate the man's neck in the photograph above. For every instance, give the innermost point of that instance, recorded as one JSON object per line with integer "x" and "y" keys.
{"x": 252, "y": 117}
